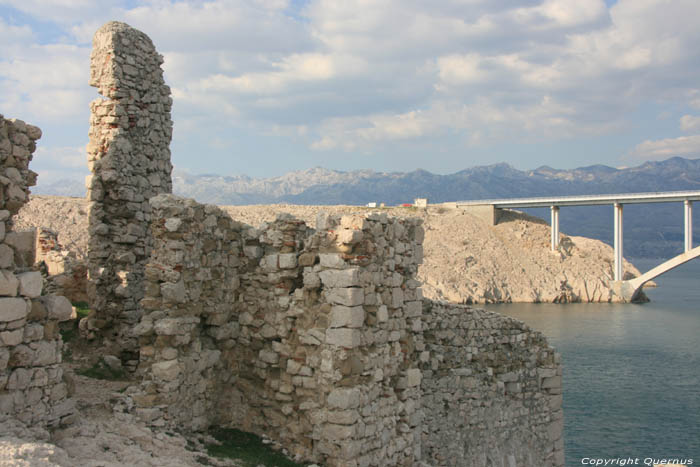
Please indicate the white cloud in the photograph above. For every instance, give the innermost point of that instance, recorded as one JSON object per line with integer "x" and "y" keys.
{"x": 690, "y": 123}
{"x": 71, "y": 157}
{"x": 669, "y": 147}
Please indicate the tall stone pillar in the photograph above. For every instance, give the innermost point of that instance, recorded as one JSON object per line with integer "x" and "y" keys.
{"x": 129, "y": 157}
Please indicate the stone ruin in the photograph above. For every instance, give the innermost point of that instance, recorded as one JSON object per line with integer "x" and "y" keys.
{"x": 32, "y": 389}
{"x": 129, "y": 157}
{"x": 318, "y": 338}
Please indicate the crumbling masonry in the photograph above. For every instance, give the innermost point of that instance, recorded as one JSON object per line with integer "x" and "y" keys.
{"x": 32, "y": 389}
{"x": 129, "y": 157}
{"x": 318, "y": 338}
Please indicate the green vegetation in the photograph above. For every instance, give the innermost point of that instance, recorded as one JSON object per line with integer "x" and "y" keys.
{"x": 100, "y": 370}
{"x": 81, "y": 308}
{"x": 248, "y": 448}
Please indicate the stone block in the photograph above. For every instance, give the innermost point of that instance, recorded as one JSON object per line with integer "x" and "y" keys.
{"x": 344, "y": 337}
{"x": 331, "y": 260}
{"x": 12, "y": 309}
{"x": 413, "y": 309}
{"x": 7, "y": 257}
{"x": 413, "y": 377}
{"x": 347, "y": 317}
{"x": 14, "y": 337}
{"x": 552, "y": 382}
{"x": 167, "y": 371}
{"x": 173, "y": 292}
{"x": 355, "y": 222}
{"x": 382, "y": 314}
{"x": 338, "y": 432}
{"x": 344, "y": 398}
{"x": 346, "y": 296}
{"x": 8, "y": 284}
{"x": 340, "y": 277}
{"x": 30, "y": 284}
{"x": 350, "y": 237}
{"x": 287, "y": 261}
{"x": 57, "y": 307}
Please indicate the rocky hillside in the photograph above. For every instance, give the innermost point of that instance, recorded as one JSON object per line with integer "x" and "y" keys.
{"x": 651, "y": 230}
{"x": 466, "y": 260}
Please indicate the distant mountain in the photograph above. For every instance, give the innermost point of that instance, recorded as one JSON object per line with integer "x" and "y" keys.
{"x": 650, "y": 230}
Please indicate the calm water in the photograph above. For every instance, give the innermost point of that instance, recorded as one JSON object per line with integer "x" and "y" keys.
{"x": 631, "y": 372}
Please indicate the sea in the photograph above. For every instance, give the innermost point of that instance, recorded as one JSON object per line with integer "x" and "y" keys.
{"x": 631, "y": 371}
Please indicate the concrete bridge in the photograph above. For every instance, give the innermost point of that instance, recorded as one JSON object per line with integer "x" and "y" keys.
{"x": 627, "y": 290}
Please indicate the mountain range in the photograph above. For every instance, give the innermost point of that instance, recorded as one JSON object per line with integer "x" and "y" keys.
{"x": 651, "y": 230}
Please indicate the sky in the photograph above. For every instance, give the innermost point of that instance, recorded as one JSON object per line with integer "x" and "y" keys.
{"x": 264, "y": 87}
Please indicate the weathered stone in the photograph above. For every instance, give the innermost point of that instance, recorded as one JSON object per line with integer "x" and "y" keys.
{"x": 340, "y": 277}
{"x": 8, "y": 284}
{"x": 349, "y": 317}
{"x": 346, "y": 296}
{"x": 331, "y": 260}
{"x": 12, "y": 309}
{"x": 344, "y": 337}
{"x": 344, "y": 398}
{"x": 167, "y": 370}
{"x": 30, "y": 284}
{"x": 57, "y": 307}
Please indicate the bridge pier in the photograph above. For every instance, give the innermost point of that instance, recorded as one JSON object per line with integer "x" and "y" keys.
{"x": 688, "y": 215}
{"x": 555, "y": 227}
{"x": 618, "y": 242}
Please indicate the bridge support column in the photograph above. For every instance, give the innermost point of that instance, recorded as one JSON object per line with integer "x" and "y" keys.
{"x": 618, "y": 242}
{"x": 688, "y": 210}
{"x": 555, "y": 227}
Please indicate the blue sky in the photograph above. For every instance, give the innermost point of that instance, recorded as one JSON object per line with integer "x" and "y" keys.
{"x": 263, "y": 87}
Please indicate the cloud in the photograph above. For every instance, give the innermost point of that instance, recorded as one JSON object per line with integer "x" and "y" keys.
{"x": 690, "y": 123}
{"x": 669, "y": 147}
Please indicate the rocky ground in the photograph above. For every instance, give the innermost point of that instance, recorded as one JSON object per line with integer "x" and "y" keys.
{"x": 466, "y": 260}
{"x": 99, "y": 436}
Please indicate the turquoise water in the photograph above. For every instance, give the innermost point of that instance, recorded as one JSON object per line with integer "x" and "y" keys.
{"x": 631, "y": 372}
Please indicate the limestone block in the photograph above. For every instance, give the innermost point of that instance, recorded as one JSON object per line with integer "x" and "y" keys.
{"x": 45, "y": 353}
{"x": 172, "y": 224}
{"x": 172, "y": 326}
{"x": 340, "y": 277}
{"x": 350, "y": 237}
{"x": 338, "y": 432}
{"x": 382, "y": 314}
{"x": 173, "y": 292}
{"x": 344, "y": 398}
{"x": 14, "y": 337}
{"x": 30, "y": 284}
{"x": 8, "y": 283}
{"x": 396, "y": 297}
{"x": 356, "y": 222}
{"x": 288, "y": 261}
{"x": 4, "y": 358}
{"x": 268, "y": 356}
{"x": 344, "y": 337}
{"x": 311, "y": 279}
{"x": 413, "y": 309}
{"x": 57, "y": 307}
{"x": 553, "y": 382}
{"x": 168, "y": 370}
{"x": 7, "y": 257}
{"x": 350, "y": 296}
{"x": 12, "y": 309}
{"x": 413, "y": 377}
{"x": 347, "y": 317}
{"x": 331, "y": 260}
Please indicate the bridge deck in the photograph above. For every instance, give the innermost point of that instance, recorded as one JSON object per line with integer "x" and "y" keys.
{"x": 587, "y": 200}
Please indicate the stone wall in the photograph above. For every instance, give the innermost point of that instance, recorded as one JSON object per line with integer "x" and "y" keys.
{"x": 129, "y": 157}
{"x": 302, "y": 335}
{"x": 31, "y": 379}
{"x": 320, "y": 340}
{"x": 491, "y": 391}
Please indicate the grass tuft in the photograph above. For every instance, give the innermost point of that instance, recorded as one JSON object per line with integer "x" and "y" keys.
{"x": 248, "y": 448}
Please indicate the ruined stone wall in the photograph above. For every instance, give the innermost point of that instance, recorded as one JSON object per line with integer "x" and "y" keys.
{"x": 31, "y": 380}
{"x": 129, "y": 157}
{"x": 301, "y": 335}
{"x": 491, "y": 391}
